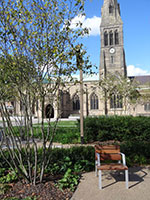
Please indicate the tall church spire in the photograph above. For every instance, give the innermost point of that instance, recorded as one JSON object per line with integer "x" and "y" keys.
{"x": 112, "y": 39}
{"x": 110, "y": 12}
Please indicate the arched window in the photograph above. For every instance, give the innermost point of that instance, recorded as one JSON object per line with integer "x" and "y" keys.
{"x": 94, "y": 101}
{"x": 116, "y": 101}
{"x": 116, "y": 37}
{"x": 147, "y": 107}
{"x": 105, "y": 38}
{"x": 76, "y": 102}
{"x": 111, "y": 38}
{"x": 111, "y": 9}
{"x": 49, "y": 111}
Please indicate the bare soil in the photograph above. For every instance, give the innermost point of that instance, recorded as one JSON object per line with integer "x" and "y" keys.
{"x": 42, "y": 191}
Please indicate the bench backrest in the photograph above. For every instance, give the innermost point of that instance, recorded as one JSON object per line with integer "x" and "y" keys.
{"x": 108, "y": 152}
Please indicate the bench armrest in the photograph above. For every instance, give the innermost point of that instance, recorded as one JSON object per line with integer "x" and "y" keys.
{"x": 123, "y": 159}
{"x": 98, "y": 159}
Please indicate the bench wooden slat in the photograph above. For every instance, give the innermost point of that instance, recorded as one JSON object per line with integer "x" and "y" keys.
{"x": 111, "y": 152}
{"x": 112, "y": 166}
{"x": 107, "y": 146}
{"x": 107, "y": 149}
{"x": 110, "y": 156}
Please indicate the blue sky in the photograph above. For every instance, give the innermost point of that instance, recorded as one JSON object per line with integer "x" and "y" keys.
{"x": 136, "y": 18}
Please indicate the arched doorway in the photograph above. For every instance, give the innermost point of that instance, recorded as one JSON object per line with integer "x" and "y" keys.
{"x": 49, "y": 111}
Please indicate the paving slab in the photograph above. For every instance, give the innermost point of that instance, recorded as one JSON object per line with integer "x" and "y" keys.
{"x": 114, "y": 186}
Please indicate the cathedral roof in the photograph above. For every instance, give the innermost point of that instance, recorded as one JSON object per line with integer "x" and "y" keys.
{"x": 141, "y": 79}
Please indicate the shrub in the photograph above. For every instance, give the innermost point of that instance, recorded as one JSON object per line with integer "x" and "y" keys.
{"x": 118, "y": 128}
{"x": 137, "y": 152}
{"x": 71, "y": 162}
{"x": 66, "y": 135}
{"x": 69, "y": 180}
{"x": 8, "y": 177}
{"x": 76, "y": 158}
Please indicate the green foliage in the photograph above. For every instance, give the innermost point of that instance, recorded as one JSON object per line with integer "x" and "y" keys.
{"x": 2, "y": 171}
{"x": 71, "y": 162}
{"x": 66, "y": 135}
{"x": 7, "y": 176}
{"x": 121, "y": 85}
{"x": 69, "y": 180}
{"x": 65, "y": 123}
{"x": 38, "y": 56}
{"x": 3, "y": 163}
{"x": 118, "y": 128}
{"x": 78, "y": 159}
{"x": 136, "y": 152}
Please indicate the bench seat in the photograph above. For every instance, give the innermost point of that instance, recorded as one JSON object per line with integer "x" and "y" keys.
{"x": 112, "y": 166}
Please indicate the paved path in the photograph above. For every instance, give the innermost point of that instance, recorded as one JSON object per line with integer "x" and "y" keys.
{"x": 114, "y": 186}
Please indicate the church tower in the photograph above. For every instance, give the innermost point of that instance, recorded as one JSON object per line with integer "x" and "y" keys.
{"x": 112, "y": 56}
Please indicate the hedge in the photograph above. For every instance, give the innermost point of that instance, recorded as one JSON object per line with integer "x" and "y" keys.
{"x": 118, "y": 128}
{"x": 60, "y": 159}
{"x": 82, "y": 159}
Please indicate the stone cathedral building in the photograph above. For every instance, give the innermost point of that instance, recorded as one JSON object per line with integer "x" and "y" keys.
{"x": 112, "y": 60}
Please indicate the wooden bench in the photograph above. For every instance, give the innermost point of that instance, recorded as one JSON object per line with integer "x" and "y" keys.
{"x": 109, "y": 152}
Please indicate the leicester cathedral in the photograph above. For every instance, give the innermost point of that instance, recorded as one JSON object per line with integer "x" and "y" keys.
{"x": 112, "y": 60}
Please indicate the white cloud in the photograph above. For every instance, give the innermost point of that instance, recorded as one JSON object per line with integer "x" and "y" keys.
{"x": 131, "y": 70}
{"x": 91, "y": 23}
{"x": 136, "y": 71}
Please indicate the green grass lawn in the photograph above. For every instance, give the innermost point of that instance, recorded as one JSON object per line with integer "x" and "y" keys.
{"x": 63, "y": 123}
{"x": 66, "y": 131}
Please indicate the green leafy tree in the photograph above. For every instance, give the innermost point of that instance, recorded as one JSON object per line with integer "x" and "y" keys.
{"x": 37, "y": 52}
{"x": 145, "y": 95}
{"x": 119, "y": 85}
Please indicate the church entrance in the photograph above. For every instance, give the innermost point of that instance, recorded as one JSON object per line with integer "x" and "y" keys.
{"x": 49, "y": 111}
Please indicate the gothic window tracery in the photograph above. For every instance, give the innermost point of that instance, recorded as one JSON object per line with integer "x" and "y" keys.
{"x": 105, "y": 38}
{"x": 147, "y": 107}
{"x": 76, "y": 102}
{"x": 94, "y": 101}
{"x": 116, "y": 37}
{"x": 116, "y": 101}
{"x": 111, "y": 38}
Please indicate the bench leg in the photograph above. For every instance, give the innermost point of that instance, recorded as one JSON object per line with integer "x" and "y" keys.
{"x": 100, "y": 179}
{"x": 126, "y": 178}
{"x": 96, "y": 172}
